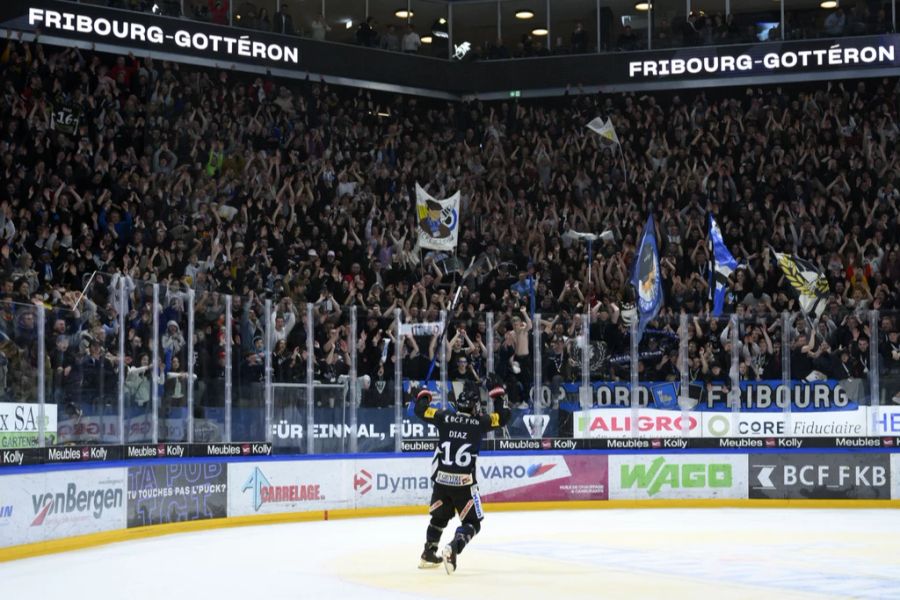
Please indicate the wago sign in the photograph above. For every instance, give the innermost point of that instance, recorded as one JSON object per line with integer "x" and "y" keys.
{"x": 715, "y": 476}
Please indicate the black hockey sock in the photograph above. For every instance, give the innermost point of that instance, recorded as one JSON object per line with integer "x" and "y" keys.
{"x": 433, "y": 534}
{"x": 464, "y": 535}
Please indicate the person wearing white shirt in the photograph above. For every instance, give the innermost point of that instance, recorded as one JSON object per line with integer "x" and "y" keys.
{"x": 411, "y": 41}
{"x": 283, "y": 319}
{"x": 319, "y": 28}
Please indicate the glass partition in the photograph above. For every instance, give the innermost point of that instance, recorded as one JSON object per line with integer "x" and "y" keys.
{"x": 94, "y": 346}
{"x": 813, "y": 19}
{"x": 209, "y": 367}
{"x": 254, "y": 14}
{"x": 525, "y": 29}
{"x": 477, "y": 23}
{"x": 64, "y": 351}
{"x": 140, "y": 399}
{"x": 573, "y": 26}
{"x": 172, "y": 349}
{"x": 247, "y": 371}
{"x": 332, "y": 378}
{"x": 430, "y": 19}
{"x": 19, "y": 366}
{"x": 888, "y": 359}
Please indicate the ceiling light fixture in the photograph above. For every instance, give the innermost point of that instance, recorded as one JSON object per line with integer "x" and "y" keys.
{"x": 425, "y": 39}
{"x": 539, "y": 31}
{"x": 643, "y": 6}
{"x": 828, "y": 4}
{"x": 403, "y": 14}
{"x": 524, "y": 14}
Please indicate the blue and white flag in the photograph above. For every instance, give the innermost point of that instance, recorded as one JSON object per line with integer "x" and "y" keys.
{"x": 722, "y": 264}
{"x": 646, "y": 278}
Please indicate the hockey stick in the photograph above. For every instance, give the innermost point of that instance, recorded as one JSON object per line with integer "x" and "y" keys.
{"x": 443, "y": 336}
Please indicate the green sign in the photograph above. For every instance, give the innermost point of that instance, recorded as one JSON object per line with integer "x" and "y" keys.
{"x": 689, "y": 476}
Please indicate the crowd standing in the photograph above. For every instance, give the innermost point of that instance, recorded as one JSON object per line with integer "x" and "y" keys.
{"x": 301, "y": 192}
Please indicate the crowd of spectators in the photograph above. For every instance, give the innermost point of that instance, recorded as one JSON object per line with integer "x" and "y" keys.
{"x": 300, "y": 192}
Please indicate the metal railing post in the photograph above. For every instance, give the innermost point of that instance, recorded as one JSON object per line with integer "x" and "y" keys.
{"x": 310, "y": 383}
{"x": 122, "y": 308}
{"x": 398, "y": 382}
{"x": 154, "y": 377}
{"x": 228, "y": 367}
{"x": 41, "y": 375}
{"x": 354, "y": 390}
{"x": 268, "y": 395}
{"x": 190, "y": 366}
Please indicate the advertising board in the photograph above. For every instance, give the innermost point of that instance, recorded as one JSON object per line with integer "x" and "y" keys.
{"x": 19, "y": 424}
{"x": 844, "y": 475}
{"x": 651, "y": 423}
{"x": 390, "y": 482}
{"x": 884, "y": 420}
{"x": 895, "y": 476}
{"x": 826, "y": 423}
{"x": 176, "y": 492}
{"x": 542, "y": 478}
{"x": 677, "y": 476}
{"x": 58, "y": 504}
{"x": 289, "y": 486}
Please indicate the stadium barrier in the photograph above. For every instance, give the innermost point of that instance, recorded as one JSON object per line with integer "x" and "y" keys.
{"x": 51, "y": 508}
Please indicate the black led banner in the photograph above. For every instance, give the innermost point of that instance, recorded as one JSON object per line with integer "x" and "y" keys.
{"x": 217, "y": 45}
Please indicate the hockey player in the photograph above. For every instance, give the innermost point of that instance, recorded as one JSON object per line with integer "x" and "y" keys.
{"x": 453, "y": 467}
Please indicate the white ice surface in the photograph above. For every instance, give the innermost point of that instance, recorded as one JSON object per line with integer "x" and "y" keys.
{"x": 560, "y": 555}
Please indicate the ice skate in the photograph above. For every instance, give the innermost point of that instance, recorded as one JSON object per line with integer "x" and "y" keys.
{"x": 429, "y": 558}
{"x": 449, "y": 559}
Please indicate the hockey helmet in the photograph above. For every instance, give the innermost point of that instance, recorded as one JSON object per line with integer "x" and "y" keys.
{"x": 468, "y": 399}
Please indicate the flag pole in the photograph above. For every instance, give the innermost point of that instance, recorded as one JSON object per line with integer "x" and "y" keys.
{"x": 590, "y": 255}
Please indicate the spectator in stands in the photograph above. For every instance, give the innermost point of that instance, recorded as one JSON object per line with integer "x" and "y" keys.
{"x": 283, "y": 22}
{"x": 390, "y": 40}
{"x": 366, "y": 34}
{"x": 411, "y": 41}
{"x": 579, "y": 39}
{"x": 836, "y": 22}
{"x": 263, "y": 20}
{"x": 218, "y": 11}
{"x": 318, "y": 28}
{"x": 628, "y": 40}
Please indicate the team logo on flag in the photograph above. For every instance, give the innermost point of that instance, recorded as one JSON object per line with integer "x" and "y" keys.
{"x": 438, "y": 220}
{"x": 809, "y": 283}
{"x": 646, "y": 278}
{"x": 605, "y": 130}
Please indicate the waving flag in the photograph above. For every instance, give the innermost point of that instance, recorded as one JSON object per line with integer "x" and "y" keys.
{"x": 722, "y": 264}
{"x": 646, "y": 278}
{"x": 605, "y": 130}
{"x": 438, "y": 220}
{"x": 808, "y": 282}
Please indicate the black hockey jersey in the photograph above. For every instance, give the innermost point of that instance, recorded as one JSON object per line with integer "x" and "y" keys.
{"x": 456, "y": 455}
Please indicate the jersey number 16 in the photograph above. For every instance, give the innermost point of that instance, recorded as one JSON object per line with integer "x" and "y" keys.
{"x": 463, "y": 456}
